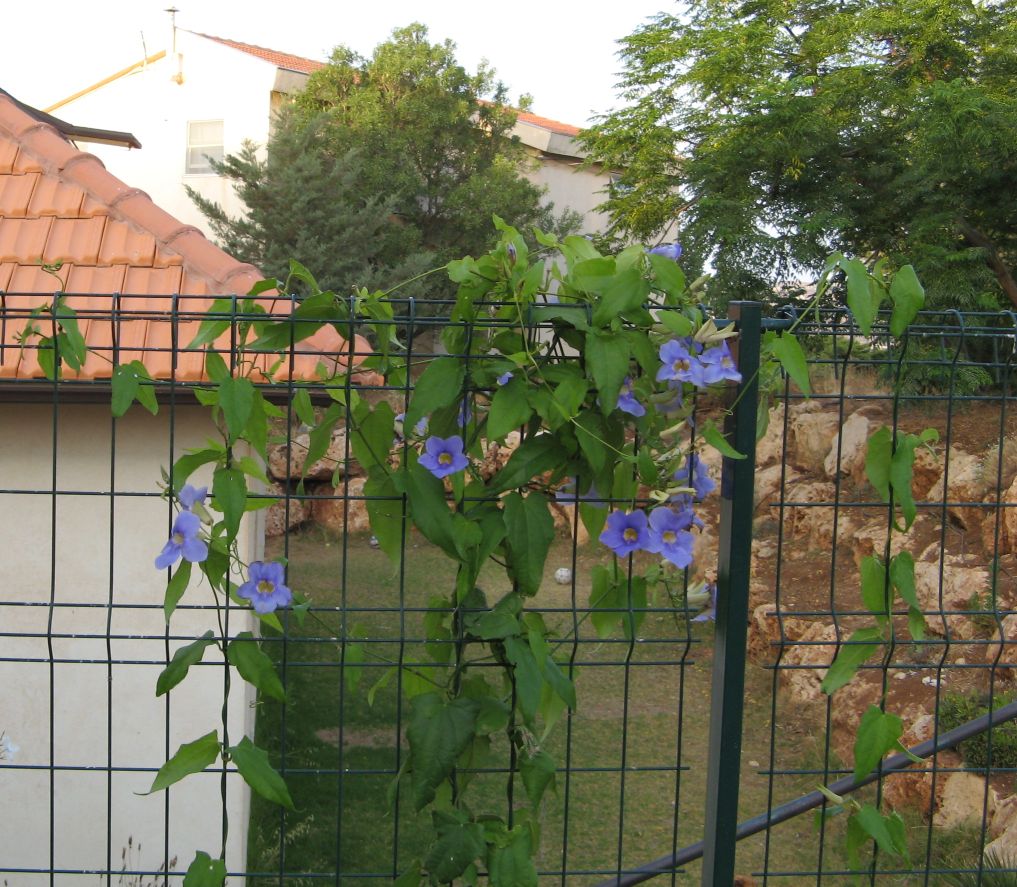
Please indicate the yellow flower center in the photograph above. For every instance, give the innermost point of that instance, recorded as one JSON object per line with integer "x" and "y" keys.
{"x": 630, "y": 534}
{"x": 669, "y": 537}
{"x": 265, "y": 587}
{"x": 178, "y": 538}
{"x": 680, "y": 365}
{"x": 445, "y": 459}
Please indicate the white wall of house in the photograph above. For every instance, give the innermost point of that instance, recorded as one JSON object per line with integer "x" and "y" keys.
{"x": 217, "y": 83}
{"x": 91, "y": 557}
{"x": 570, "y": 186}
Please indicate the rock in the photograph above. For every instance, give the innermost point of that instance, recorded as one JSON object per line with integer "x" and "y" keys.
{"x": 324, "y": 468}
{"x": 767, "y": 483}
{"x": 1004, "y": 817}
{"x": 870, "y": 539}
{"x": 295, "y": 509}
{"x": 969, "y": 482}
{"x": 767, "y": 634}
{"x": 339, "y": 510}
{"x": 925, "y": 472}
{"x": 1006, "y": 636}
{"x": 1007, "y": 543}
{"x": 811, "y": 435}
{"x": 959, "y": 584}
{"x": 566, "y": 517}
{"x": 1004, "y": 848}
{"x": 964, "y": 801}
{"x": 808, "y": 521}
{"x": 851, "y": 445}
{"x": 770, "y": 447}
{"x": 910, "y": 790}
{"x": 805, "y": 661}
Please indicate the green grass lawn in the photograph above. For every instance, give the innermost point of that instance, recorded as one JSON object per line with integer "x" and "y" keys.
{"x": 637, "y": 703}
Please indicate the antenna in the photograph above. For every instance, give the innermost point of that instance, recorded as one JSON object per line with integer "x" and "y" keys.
{"x": 173, "y": 23}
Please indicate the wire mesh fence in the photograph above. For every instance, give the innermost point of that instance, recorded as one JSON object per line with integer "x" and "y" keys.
{"x": 84, "y": 636}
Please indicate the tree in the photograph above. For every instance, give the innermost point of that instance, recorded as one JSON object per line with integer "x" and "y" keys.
{"x": 382, "y": 167}
{"x": 777, "y": 131}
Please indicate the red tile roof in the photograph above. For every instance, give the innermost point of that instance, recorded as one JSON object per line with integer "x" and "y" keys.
{"x": 126, "y": 263}
{"x": 565, "y": 129}
{"x": 279, "y": 59}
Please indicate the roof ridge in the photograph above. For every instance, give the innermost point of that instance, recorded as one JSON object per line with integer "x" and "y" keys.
{"x": 131, "y": 205}
{"x": 265, "y": 53}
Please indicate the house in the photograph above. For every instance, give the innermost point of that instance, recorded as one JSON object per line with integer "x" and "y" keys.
{"x": 185, "y": 108}
{"x": 82, "y": 518}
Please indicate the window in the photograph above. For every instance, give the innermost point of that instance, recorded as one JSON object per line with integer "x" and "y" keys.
{"x": 204, "y": 141}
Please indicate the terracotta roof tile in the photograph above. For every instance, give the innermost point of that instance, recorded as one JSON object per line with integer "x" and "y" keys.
{"x": 58, "y": 203}
{"x": 53, "y": 197}
{"x": 280, "y": 59}
{"x": 566, "y": 129}
{"x": 24, "y": 240}
{"x": 122, "y": 244}
{"x": 16, "y": 194}
{"x": 75, "y": 240}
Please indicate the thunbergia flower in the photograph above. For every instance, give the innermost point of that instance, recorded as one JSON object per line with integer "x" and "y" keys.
{"x": 8, "y": 750}
{"x": 184, "y": 541}
{"x": 627, "y": 402}
{"x": 420, "y": 429}
{"x": 465, "y": 414}
{"x": 503, "y": 379}
{"x": 191, "y": 496}
{"x": 567, "y": 494}
{"x": 718, "y": 364}
{"x": 696, "y": 475}
{"x": 264, "y": 587}
{"x": 680, "y": 363}
{"x": 667, "y": 250}
{"x": 444, "y": 456}
{"x": 669, "y": 536}
{"x": 683, "y": 505}
{"x": 398, "y": 428}
{"x": 710, "y": 613}
{"x": 626, "y": 532}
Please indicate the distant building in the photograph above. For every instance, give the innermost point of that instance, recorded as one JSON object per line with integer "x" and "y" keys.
{"x": 203, "y": 96}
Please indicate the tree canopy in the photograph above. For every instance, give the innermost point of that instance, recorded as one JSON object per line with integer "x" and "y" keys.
{"x": 776, "y": 131}
{"x": 381, "y": 168}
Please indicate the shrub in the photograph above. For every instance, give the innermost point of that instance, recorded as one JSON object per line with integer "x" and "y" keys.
{"x": 958, "y": 708}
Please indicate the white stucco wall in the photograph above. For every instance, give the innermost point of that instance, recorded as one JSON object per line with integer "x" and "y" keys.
{"x": 61, "y": 700}
{"x": 219, "y": 83}
{"x": 571, "y": 187}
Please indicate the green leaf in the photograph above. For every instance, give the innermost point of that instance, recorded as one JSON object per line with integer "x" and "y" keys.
{"x": 303, "y": 407}
{"x": 439, "y": 732}
{"x": 191, "y": 757}
{"x": 205, "y": 872}
{"x": 877, "y": 461}
{"x": 607, "y": 361}
{"x": 181, "y": 662}
{"x": 254, "y": 665}
{"x": 124, "y": 383}
{"x": 569, "y": 395}
{"x": 511, "y": 864}
{"x": 186, "y": 465}
{"x": 901, "y": 472}
{"x": 877, "y": 826}
{"x": 457, "y": 845}
{"x": 667, "y": 277}
{"x": 259, "y": 774}
{"x": 385, "y": 509}
{"x": 591, "y": 432}
{"x": 411, "y": 877}
{"x": 529, "y": 681}
{"x": 74, "y": 340}
{"x": 878, "y": 732}
{"x": 538, "y": 773}
{"x": 438, "y": 386}
{"x": 715, "y": 438}
{"x": 230, "y": 491}
{"x": 530, "y": 532}
{"x": 236, "y": 397}
{"x": 621, "y": 293}
{"x": 496, "y": 625}
{"x": 860, "y": 298}
{"x": 789, "y": 352}
{"x": 535, "y": 456}
{"x": 426, "y": 498}
{"x": 874, "y": 587}
{"x": 371, "y": 437}
{"x": 320, "y": 436}
{"x": 215, "y": 367}
{"x": 562, "y": 686}
{"x": 908, "y": 298}
{"x": 175, "y": 588}
{"x": 211, "y": 328}
{"x": 354, "y": 655}
{"x": 256, "y": 432}
{"x": 902, "y": 575}
{"x": 510, "y": 409}
{"x": 859, "y": 647}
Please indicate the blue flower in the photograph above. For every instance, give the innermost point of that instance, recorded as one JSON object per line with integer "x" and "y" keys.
{"x": 676, "y": 402}
{"x": 420, "y": 429}
{"x": 680, "y": 363}
{"x": 627, "y": 402}
{"x": 667, "y": 250}
{"x": 264, "y": 587}
{"x": 183, "y": 541}
{"x": 670, "y": 536}
{"x": 191, "y": 496}
{"x": 718, "y": 364}
{"x": 696, "y": 475}
{"x": 444, "y": 456}
{"x": 626, "y": 532}
{"x": 567, "y": 494}
{"x": 465, "y": 413}
{"x": 503, "y": 379}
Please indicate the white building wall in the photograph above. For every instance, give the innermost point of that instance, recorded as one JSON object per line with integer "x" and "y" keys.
{"x": 78, "y": 588}
{"x": 218, "y": 83}
{"x": 571, "y": 187}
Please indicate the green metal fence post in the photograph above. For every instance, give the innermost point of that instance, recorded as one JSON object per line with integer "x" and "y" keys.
{"x": 733, "y": 568}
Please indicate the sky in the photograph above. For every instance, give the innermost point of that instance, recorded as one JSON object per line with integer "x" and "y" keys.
{"x": 559, "y": 51}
